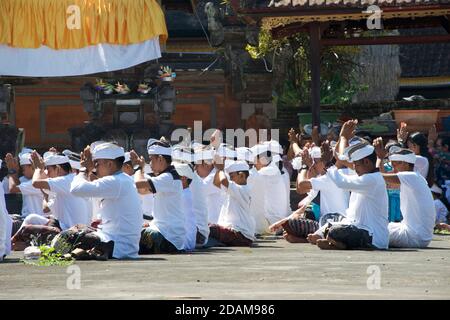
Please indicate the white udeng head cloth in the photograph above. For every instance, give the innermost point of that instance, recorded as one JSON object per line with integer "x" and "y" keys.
{"x": 24, "y": 159}
{"x": 53, "y": 159}
{"x": 154, "y": 149}
{"x": 225, "y": 151}
{"x": 245, "y": 154}
{"x": 184, "y": 170}
{"x": 275, "y": 146}
{"x": 108, "y": 151}
{"x": 75, "y": 164}
{"x": 404, "y": 155}
{"x": 357, "y": 152}
{"x": 180, "y": 154}
{"x": 203, "y": 155}
{"x": 235, "y": 166}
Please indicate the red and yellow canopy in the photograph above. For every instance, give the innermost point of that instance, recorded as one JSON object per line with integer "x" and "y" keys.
{"x": 110, "y": 33}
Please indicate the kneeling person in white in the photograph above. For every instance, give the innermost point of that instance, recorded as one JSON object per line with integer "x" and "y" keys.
{"x": 236, "y": 225}
{"x": 53, "y": 173}
{"x": 416, "y": 204}
{"x": 166, "y": 233}
{"x": 121, "y": 215}
{"x": 365, "y": 225}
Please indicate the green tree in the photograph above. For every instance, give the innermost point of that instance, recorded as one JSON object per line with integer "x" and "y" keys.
{"x": 292, "y": 76}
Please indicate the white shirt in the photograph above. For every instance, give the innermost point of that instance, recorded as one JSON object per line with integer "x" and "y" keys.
{"x": 5, "y": 227}
{"x": 147, "y": 203}
{"x": 32, "y": 197}
{"x": 168, "y": 215}
{"x": 199, "y": 206}
{"x": 68, "y": 208}
{"x": 255, "y": 182}
{"x": 368, "y": 205}
{"x": 419, "y": 215}
{"x": 120, "y": 211}
{"x": 441, "y": 211}
{"x": 215, "y": 197}
{"x": 421, "y": 166}
{"x": 189, "y": 221}
{"x": 417, "y": 205}
{"x": 5, "y": 185}
{"x": 236, "y": 210}
{"x": 332, "y": 198}
{"x": 276, "y": 193}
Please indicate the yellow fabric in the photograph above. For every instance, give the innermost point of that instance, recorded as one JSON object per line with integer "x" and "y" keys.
{"x": 33, "y": 23}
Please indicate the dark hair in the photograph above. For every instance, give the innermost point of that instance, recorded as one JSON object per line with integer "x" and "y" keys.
{"x": 188, "y": 181}
{"x": 165, "y": 145}
{"x": 446, "y": 141}
{"x": 372, "y": 158}
{"x": 168, "y": 159}
{"x": 421, "y": 140}
{"x": 65, "y": 166}
{"x": 245, "y": 172}
{"x": 119, "y": 161}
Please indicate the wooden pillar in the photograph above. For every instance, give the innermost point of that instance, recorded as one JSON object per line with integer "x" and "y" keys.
{"x": 314, "y": 36}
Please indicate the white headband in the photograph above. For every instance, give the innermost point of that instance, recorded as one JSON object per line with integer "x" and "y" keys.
{"x": 108, "y": 151}
{"x": 235, "y": 166}
{"x": 259, "y": 148}
{"x": 274, "y": 146}
{"x": 159, "y": 150}
{"x": 245, "y": 154}
{"x": 357, "y": 152}
{"x": 54, "y": 159}
{"x": 180, "y": 155}
{"x": 224, "y": 151}
{"x": 184, "y": 170}
{"x": 410, "y": 157}
{"x": 75, "y": 164}
{"x": 24, "y": 159}
{"x": 203, "y": 155}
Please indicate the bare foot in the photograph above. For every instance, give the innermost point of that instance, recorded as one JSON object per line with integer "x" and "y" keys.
{"x": 325, "y": 244}
{"x": 312, "y": 238}
{"x": 19, "y": 245}
{"x": 442, "y": 226}
{"x": 293, "y": 239}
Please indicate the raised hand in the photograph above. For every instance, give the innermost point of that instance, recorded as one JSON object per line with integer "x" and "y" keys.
{"x": 216, "y": 138}
{"x": 348, "y": 129}
{"x": 11, "y": 162}
{"x": 379, "y": 148}
{"x": 327, "y": 152}
{"x": 136, "y": 160}
{"x": 402, "y": 133}
{"x": 315, "y": 135}
{"x": 306, "y": 158}
{"x": 432, "y": 134}
{"x": 36, "y": 161}
{"x": 293, "y": 137}
{"x": 86, "y": 159}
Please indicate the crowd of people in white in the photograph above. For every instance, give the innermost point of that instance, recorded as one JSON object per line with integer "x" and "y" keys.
{"x": 108, "y": 203}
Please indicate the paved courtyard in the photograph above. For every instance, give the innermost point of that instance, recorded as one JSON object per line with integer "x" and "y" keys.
{"x": 272, "y": 269}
